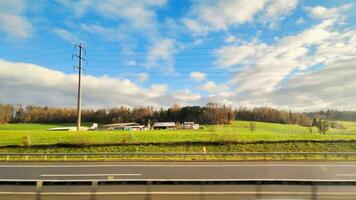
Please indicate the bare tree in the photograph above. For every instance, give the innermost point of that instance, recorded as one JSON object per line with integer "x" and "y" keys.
{"x": 252, "y": 126}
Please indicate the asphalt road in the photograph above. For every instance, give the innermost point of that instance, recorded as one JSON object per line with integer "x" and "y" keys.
{"x": 181, "y": 170}
{"x": 178, "y": 170}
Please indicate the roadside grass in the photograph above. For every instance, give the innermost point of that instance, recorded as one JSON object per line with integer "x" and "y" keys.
{"x": 254, "y": 147}
{"x": 182, "y": 158}
{"x": 237, "y": 131}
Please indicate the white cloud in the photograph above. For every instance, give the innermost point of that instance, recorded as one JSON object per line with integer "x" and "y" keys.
{"x": 300, "y": 20}
{"x": 183, "y": 98}
{"x": 276, "y": 10}
{"x": 22, "y": 83}
{"x": 131, "y": 63}
{"x": 142, "y": 77}
{"x": 196, "y": 26}
{"x": 329, "y": 13}
{"x": 107, "y": 33}
{"x": 212, "y": 87}
{"x": 279, "y": 8}
{"x": 65, "y": 35}
{"x": 277, "y": 74}
{"x": 329, "y": 88}
{"x": 218, "y": 15}
{"x": 161, "y": 55}
{"x": 209, "y": 86}
{"x": 198, "y": 76}
{"x": 157, "y": 90}
{"x": 12, "y": 21}
{"x": 138, "y": 14}
{"x": 231, "y": 39}
{"x": 264, "y": 66}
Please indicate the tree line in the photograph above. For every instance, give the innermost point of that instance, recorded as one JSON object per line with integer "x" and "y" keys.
{"x": 211, "y": 113}
{"x": 267, "y": 114}
{"x": 208, "y": 114}
{"x": 334, "y": 115}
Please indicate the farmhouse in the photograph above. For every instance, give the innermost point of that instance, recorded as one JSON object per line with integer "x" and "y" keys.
{"x": 190, "y": 125}
{"x": 124, "y": 126}
{"x": 164, "y": 125}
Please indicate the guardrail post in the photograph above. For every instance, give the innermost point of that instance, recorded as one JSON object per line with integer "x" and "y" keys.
{"x": 94, "y": 189}
{"x": 8, "y": 157}
{"x": 45, "y": 157}
{"x": 148, "y": 190}
{"x": 258, "y": 190}
{"x": 201, "y": 193}
{"x": 314, "y": 192}
{"x": 26, "y": 157}
{"x": 39, "y": 186}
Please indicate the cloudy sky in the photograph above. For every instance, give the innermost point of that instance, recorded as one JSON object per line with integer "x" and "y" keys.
{"x": 289, "y": 54}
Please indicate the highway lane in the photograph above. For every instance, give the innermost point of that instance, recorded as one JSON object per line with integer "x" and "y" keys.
{"x": 178, "y": 170}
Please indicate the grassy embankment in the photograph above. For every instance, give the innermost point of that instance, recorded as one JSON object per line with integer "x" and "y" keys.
{"x": 216, "y": 138}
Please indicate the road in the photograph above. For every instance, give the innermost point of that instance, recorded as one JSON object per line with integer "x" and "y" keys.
{"x": 183, "y": 170}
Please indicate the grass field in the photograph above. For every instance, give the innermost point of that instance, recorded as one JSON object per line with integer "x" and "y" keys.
{"x": 238, "y": 131}
{"x": 236, "y": 137}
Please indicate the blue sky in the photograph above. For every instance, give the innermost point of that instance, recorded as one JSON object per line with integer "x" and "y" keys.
{"x": 288, "y": 54}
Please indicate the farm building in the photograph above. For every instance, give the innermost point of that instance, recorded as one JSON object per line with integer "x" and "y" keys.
{"x": 164, "y": 125}
{"x": 124, "y": 126}
{"x": 190, "y": 125}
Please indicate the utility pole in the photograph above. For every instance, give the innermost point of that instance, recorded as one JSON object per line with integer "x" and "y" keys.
{"x": 79, "y": 98}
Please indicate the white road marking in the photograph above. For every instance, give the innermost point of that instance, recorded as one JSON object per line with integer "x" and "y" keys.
{"x": 84, "y": 175}
{"x": 170, "y": 165}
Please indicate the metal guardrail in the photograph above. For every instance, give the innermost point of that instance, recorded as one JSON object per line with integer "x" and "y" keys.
{"x": 282, "y": 155}
{"x": 94, "y": 184}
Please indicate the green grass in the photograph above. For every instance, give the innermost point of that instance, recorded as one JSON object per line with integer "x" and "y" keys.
{"x": 257, "y": 147}
{"x": 235, "y": 137}
{"x": 238, "y": 131}
{"x": 349, "y": 126}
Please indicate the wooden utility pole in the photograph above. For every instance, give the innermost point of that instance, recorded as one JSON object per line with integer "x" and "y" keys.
{"x": 79, "y": 97}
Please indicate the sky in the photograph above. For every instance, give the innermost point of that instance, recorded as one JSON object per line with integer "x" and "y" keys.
{"x": 295, "y": 55}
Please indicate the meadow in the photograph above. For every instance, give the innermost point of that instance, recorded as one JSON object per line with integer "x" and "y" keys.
{"x": 235, "y": 137}
{"x": 236, "y": 132}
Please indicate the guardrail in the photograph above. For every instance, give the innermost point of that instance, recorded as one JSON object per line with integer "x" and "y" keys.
{"x": 244, "y": 155}
{"x": 94, "y": 184}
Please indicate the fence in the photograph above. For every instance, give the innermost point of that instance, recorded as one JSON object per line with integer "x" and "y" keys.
{"x": 94, "y": 184}
{"x": 243, "y": 155}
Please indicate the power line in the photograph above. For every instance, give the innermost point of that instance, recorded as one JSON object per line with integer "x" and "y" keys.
{"x": 45, "y": 55}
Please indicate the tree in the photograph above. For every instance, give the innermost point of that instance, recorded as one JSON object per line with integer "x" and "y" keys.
{"x": 323, "y": 126}
{"x": 6, "y": 113}
{"x": 252, "y": 126}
